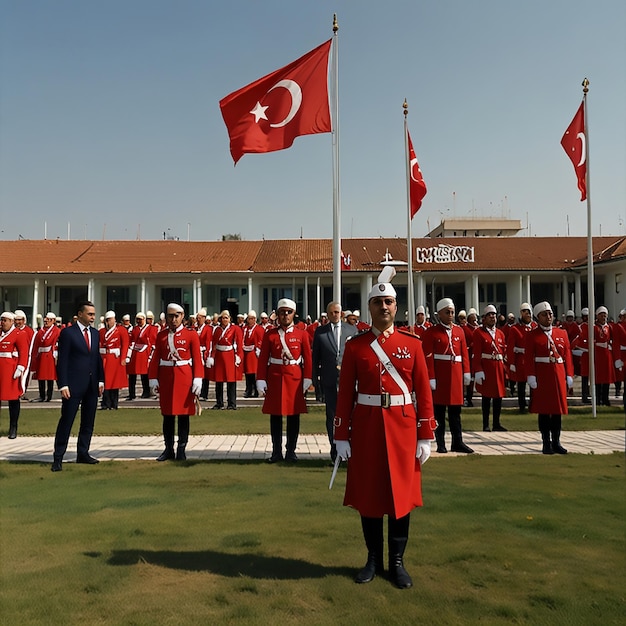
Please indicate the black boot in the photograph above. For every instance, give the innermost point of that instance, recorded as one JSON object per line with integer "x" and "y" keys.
{"x": 555, "y": 430}
{"x": 373, "y": 535}
{"x": 497, "y": 410}
{"x": 14, "y": 415}
{"x": 454, "y": 417}
{"x": 183, "y": 437}
{"x": 486, "y": 406}
{"x": 293, "y": 430}
{"x": 397, "y": 539}
{"x": 544, "y": 428}
{"x": 276, "y": 433}
{"x": 440, "y": 431}
{"x": 168, "y": 437}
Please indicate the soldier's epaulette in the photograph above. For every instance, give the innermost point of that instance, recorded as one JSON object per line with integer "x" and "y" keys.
{"x": 405, "y": 330}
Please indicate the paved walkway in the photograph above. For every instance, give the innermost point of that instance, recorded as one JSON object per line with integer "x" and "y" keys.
{"x": 258, "y": 447}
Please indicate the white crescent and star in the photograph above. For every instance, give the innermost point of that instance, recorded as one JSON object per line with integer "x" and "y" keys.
{"x": 413, "y": 163}
{"x": 296, "y": 102}
{"x": 583, "y": 152}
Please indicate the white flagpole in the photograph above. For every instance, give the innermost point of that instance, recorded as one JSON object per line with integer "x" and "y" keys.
{"x": 336, "y": 196}
{"x": 590, "y": 276}
{"x": 410, "y": 292}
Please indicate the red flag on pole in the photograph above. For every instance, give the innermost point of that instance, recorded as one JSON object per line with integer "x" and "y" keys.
{"x": 575, "y": 145}
{"x": 417, "y": 187}
{"x": 270, "y": 113}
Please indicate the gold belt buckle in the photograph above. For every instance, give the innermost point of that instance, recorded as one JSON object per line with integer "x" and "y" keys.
{"x": 385, "y": 400}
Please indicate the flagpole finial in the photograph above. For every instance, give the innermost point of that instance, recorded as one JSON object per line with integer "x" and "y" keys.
{"x": 585, "y": 85}
{"x": 335, "y": 23}
{"x": 405, "y": 106}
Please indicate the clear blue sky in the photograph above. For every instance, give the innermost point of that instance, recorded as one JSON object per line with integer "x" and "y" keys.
{"x": 109, "y": 116}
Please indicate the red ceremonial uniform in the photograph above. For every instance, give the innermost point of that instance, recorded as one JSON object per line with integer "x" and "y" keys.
{"x": 420, "y": 329}
{"x": 468, "y": 330}
{"x": 227, "y": 344}
{"x": 619, "y": 349}
{"x": 44, "y": 354}
{"x": 489, "y": 351}
{"x": 113, "y": 348}
{"x": 284, "y": 375}
{"x": 581, "y": 344}
{"x": 205, "y": 334}
{"x": 447, "y": 360}
{"x": 384, "y": 477}
{"x": 516, "y": 351}
{"x": 13, "y": 353}
{"x": 549, "y": 359}
{"x": 175, "y": 363}
{"x": 141, "y": 344}
{"x": 252, "y": 340}
{"x": 602, "y": 337}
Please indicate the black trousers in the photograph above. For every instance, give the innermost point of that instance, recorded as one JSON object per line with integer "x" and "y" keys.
{"x": 88, "y": 403}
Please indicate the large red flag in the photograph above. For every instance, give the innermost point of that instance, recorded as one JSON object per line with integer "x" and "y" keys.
{"x": 417, "y": 186}
{"x": 575, "y": 145}
{"x": 270, "y": 113}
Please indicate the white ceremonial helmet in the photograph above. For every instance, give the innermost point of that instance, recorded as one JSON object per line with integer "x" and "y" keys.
{"x": 286, "y": 303}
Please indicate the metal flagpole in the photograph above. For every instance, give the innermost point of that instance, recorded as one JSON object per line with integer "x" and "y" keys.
{"x": 409, "y": 237}
{"x": 590, "y": 277}
{"x": 336, "y": 197}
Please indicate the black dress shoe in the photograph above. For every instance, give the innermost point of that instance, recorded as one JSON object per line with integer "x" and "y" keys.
{"x": 442, "y": 450}
{"x": 38, "y": 400}
{"x": 398, "y": 575}
{"x": 230, "y": 407}
{"x": 373, "y": 566}
{"x": 500, "y": 429}
{"x": 291, "y": 457}
{"x": 486, "y": 429}
{"x": 88, "y": 460}
{"x": 275, "y": 458}
{"x": 129, "y": 399}
{"x": 57, "y": 465}
{"x": 217, "y": 407}
{"x": 461, "y": 447}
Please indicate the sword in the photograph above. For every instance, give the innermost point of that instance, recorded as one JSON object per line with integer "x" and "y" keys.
{"x": 332, "y": 478}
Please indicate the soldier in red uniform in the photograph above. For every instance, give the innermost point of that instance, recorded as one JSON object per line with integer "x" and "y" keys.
{"x": 13, "y": 364}
{"x": 176, "y": 373}
{"x": 138, "y": 356}
{"x": 44, "y": 357}
{"x": 468, "y": 329}
{"x": 448, "y": 370}
{"x": 421, "y": 323}
{"x": 385, "y": 437}
{"x": 489, "y": 348}
{"x": 515, "y": 352}
{"x": 205, "y": 332}
{"x": 550, "y": 373}
{"x": 226, "y": 360}
{"x": 253, "y": 335}
{"x": 602, "y": 352}
{"x": 619, "y": 351}
{"x": 581, "y": 349}
{"x": 113, "y": 346}
{"x": 283, "y": 376}
{"x": 22, "y": 326}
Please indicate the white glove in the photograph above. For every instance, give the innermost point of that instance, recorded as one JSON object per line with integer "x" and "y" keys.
{"x": 570, "y": 382}
{"x": 210, "y": 362}
{"x": 433, "y": 384}
{"x": 577, "y": 352}
{"x": 512, "y": 368}
{"x": 154, "y": 383}
{"x": 19, "y": 370}
{"x": 115, "y": 351}
{"x": 467, "y": 379}
{"x": 344, "y": 452}
{"x": 532, "y": 382}
{"x": 423, "y": 451}
{"x": 619, "y": 364}
{"x": 127, "y": 360}
{"x": 196, "y": 386}
{"x": 306, "y": 383}
{"x": 261, "y": 387}
{"x": 237, "y": 360}
{"x": 257, "y": 351}
{"x": 479, "y": 378}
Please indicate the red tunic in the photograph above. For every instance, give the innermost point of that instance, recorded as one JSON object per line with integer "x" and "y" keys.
{"x": 284, "y": 377}
{"x": 516, "y": 351}
{"x": 113, "y": 349}
{"x": 227, "y": 344}
{"x": 252, "y": 340}
{"x": 619, "y": 348}
{"x": 447, "y": 360}
{"x": 44, "y": 354}
{"x": 13, "y": 352}
{"x": 141, "y": 342}
{"x": 384, "y": 477}
{"x": 489, "y": 358}
{"x": 175, "y": 397}
{"x": 420, "y": 329}
{"x": 205, "y": 333}
{"x": 602, "y": 353}
{"x": 550, "y": 397}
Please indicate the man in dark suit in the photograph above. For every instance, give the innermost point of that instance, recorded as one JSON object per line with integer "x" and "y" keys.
{"x": 80, "y": 376}
{"x": 329, "y": 342}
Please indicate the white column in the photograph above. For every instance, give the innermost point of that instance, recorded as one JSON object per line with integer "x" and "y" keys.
{"x": 564, "y": 295}
{"x": 35, "y": 303}
{"x": 420, "y": 290}
{"x": 318, "y": 297}
{"x": 527, "y": 294}
{"x": 577, "y": 294}
{"x": 475, "y": 300}
{"x": 142, "y": 296}
{"x": 250, "y": 298}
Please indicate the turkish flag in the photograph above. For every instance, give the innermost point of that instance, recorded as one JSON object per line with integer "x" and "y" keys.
{"x": 575, "y": 144}
{"x": 270, "y": 113}
{"x": 417, "y": 186}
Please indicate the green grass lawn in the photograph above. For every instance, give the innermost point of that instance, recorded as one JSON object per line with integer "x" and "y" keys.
{"x": 500, "y": 540}
{"x": 136, "y": 421}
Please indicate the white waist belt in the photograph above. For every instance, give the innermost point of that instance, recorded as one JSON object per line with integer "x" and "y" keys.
{"x": 622, "y": 347}
{"x": 584, "y": 349}
{"x": 174, "y": 363}
{"x": 604, "y": 344}
{"x": 8, "y": 355}
{"x": 223, "y": 348}
{"x": 115, "y": 351}
{"x": 383, "y": 399}
{"x": 288, "y": 362}
{"x": 548, "y": 359}
{"x": 448, "y": 357}
{"x": 493, "y": 357}
{"x": 45, "y": 349}
{"x": 140, "y": 347}
{"x": 519, "y": 350}
{"x": 248, "y": 348}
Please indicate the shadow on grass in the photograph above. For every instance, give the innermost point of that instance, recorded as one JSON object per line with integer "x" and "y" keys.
{"x": 230, "y": 565}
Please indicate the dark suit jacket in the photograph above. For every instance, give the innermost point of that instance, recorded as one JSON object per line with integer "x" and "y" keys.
{"x": 78, "y": 367}
{"x": 325, "y": 357}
